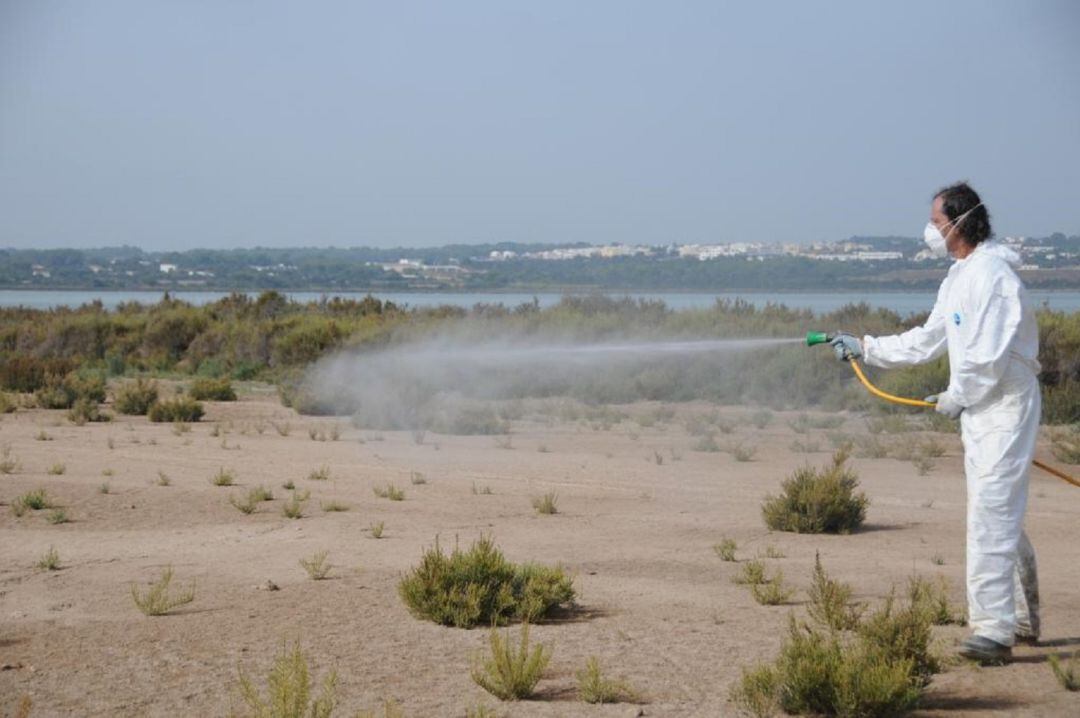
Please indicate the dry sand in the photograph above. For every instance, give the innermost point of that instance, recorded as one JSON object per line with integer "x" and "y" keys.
{"x": 656, "y": 604}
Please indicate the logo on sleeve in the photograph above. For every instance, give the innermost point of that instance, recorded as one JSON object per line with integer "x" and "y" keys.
{"x": 956, "y": 318}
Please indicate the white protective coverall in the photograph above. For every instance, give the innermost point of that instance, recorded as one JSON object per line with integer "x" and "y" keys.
{"x": 984, "y": 319}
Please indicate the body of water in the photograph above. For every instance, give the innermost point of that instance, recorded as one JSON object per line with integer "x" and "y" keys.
{"x": 902, "y": 302}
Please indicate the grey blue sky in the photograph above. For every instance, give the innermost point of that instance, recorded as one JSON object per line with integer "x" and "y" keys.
{"x": 217, "y": 123}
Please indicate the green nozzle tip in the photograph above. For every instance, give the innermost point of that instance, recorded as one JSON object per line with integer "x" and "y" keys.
{"x": 813, "y": 338}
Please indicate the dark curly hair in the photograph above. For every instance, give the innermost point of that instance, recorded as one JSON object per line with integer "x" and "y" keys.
{"x": 958, "y": 199}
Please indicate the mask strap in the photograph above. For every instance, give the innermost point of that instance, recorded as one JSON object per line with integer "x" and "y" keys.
{"x": 956, "y": 222}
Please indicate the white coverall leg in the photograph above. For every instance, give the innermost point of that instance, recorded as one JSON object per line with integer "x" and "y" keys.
{"x": 983, "y": 319}
{"x": 999, "y": 441}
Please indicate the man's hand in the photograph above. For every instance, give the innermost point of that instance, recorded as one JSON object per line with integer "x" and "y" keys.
{"x": 846, "y": 347}
{"x": 945, "y": 404}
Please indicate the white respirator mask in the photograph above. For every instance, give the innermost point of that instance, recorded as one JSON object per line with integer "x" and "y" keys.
{"x": 936, "y": 241}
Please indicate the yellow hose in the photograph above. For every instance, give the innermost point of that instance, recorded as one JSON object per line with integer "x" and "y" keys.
{"x": 927, "y": 404}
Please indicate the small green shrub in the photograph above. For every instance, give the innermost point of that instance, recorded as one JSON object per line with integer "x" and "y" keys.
{"x": 246, "y": 505}
{"x": 818, "y": 500}
{"x": 35, "y": 500}
{"x": 320, "y": 474}
{"x": 546, "y": 504}
{"x": 136, "y": 398}
{"x": 206, "y": 389}
{"x": 294, "y": 507}
{"x": 726, "y": 549}
{"x": 753, "y": 573}
{"x": 417, "y": 479}
{"x": 511, "y": 673}
{"x": 8, "y": 463}
{"x": 334, "y": 506}
{"x": 289, "y": 690}
{"x": 830, "y": 601}
{"x": 180, "y": 408}
{"x": 826, "y": 674}
{"x": 157, "y": 601}
{"x": 932, "y": 598}
{"x": 1067, "y": 672}
{"x": 317, "y": 566}
{"x": 261, "y": 493}
{"x": 772, "y": 592}
{"x": 223, "y": 477}
{"x": 377, "y": 529}
{"x": 901, "y": 635}
{"x": 57, "y": 516}
{"x": 57, "y": 469}
{"x": 84, "y": 410}
{"x": 479, "y": 586}
{"x": 389, "y": 492}
{"x": 593, "y": 687}
{"x": 50, "y": 561}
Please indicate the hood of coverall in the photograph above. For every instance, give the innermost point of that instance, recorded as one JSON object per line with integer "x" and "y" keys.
{"x": 993, "y": 247}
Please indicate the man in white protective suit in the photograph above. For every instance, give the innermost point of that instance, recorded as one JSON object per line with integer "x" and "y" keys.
{"x": 983, "y": 318}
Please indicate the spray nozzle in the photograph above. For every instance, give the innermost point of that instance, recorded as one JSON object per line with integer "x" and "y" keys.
{"x": 813, "y": 338}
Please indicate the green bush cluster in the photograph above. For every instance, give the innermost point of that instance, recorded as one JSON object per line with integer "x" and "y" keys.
{"x": 479, "y": 586}
{"x": 212, "y": 390}
{"x": 63, "y": 392}
{"x": 136, "y": 397}
{"x": 818, "y": 500}
{"x": 844, "y": 665}
{"x": 180, "y": 408}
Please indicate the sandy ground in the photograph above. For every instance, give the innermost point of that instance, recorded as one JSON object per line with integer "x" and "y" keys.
{"x": 657, "y": 606}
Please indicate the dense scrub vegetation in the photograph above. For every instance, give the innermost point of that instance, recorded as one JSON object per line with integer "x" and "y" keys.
{"x": 273, "y": 338}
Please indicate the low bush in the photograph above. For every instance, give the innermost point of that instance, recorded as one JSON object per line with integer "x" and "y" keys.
{"x": 753, "y": 573}
{"x": 818, "y": 500}
{"x": 828, "y": 673}
{"x": 389, "y": 491}
{"x": 511, "y": 673}
{"x": 546, "y": 504}
{"x": 50, "y": 561}
{"x": 317, "y": 567}
{"x": 726, "y": 549}
{"x": 772, "y": 592}
{"x": 85, "y": 410}
{"x": 136, "y": 398}
{"x": 593, "y": 687}
{"x": 206, "y": 389}
{"x": 289, "y": 689}
{"x": 157, "y": 600}
{"x": 479, "y": 586}
{"x": 180, "y": 408}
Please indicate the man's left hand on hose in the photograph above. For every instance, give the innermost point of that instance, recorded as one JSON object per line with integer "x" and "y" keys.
{"x": 945, "y": 404}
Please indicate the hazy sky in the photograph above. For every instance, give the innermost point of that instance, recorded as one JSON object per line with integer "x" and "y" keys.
{"x": 214, "y": 123}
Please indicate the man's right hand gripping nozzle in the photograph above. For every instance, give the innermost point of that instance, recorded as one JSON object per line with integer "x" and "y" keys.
{"x": 846, "y": 347}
